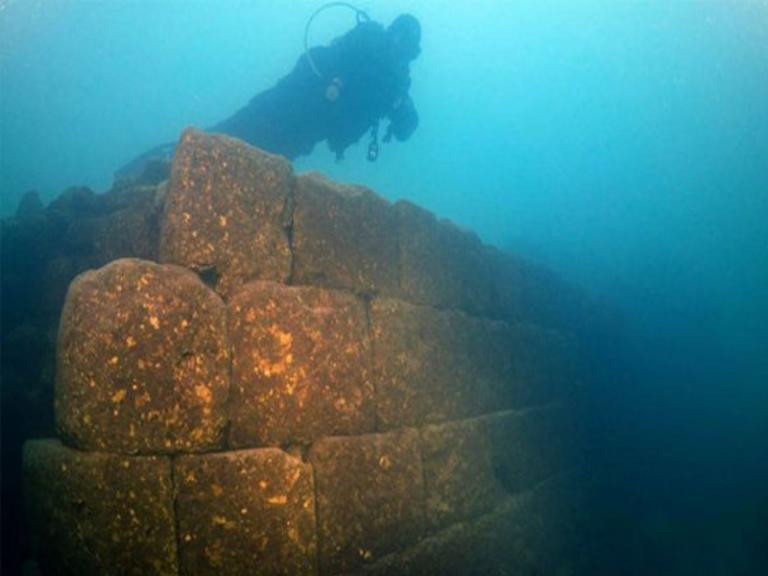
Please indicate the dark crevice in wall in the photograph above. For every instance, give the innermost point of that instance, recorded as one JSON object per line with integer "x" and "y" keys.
{"x": 299, "y": 451}
{"x": 424, "y": 492}
{"x": 288, "y": 226}
{"x": 318, "y": 531}
{"x": 367, "y": 299}
{"x": 175, "y": 497}
{"x": 209, "y": 275}
{"x": 229, "y": 400}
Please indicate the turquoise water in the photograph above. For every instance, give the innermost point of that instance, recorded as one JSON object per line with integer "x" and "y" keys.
{"x": 624, "y": 144}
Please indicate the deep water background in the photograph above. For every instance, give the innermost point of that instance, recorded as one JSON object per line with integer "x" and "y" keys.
{"x": 623, "y": 144}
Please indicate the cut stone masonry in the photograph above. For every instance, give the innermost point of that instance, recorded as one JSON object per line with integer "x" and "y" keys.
{"x": 311, "y": 381}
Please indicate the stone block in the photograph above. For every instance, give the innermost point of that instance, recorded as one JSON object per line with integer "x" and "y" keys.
{"x": 30, "y": 207}
{"x": 440, "y": 264}
{"x": 531, "y": 445}
{"x": 245, "y": 512}
{"x": 142, "y": 361}
{"x": 549, "y": 301}
{"x": 459, "y": 479}
{"x": 132, "y": 229}
{"x": 343, "y": 237}
{"x": 506, "y": 283}
{"x": 369, "y": 497}
{"x": 227, "y": 211}
{"x": 541, "y": 531}
{"x": 544, "y": 364}
{"x": 95, "y": 513}
{"x": 301, "y": 365}
{"x": 435, "y": 365}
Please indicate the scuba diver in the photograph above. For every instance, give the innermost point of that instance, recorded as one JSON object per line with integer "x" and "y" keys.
{"x": 335, "y": 93}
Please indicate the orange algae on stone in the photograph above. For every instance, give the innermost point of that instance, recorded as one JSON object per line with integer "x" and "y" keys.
{"x": 139, "y": 378}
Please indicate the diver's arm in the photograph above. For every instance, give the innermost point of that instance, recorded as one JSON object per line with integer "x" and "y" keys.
{"x": 403, "y": 119}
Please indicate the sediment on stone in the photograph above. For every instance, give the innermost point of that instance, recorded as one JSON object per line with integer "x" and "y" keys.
{"x": 369, "y": 497}
{"x": 225, "y": 211}
{"x": 440, "y": 365}
{"x": 245, "y": 510}
{"x": 301, "y": 365}
{"x": 343, "y": 237}
{"x": 539, "y": 531}
{"x": 142, "y": 361}
{"x": 97, "y": 513}
{"x": 344, "y": 385}
{"x": 441, "y": 265}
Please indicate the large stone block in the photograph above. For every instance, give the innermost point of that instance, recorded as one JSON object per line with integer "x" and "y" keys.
{"x": 541, "y": 531}
{"x": 548, "y": 300}
{"x": 531, "y": 445}
{"x": 94, "y": 513}
{"x": 507, "y": 284}
{"x": 545, "y": 364}
{"x": 245, "y": 512}
{"x": 300, "y": 365}
{"x": 131, "y": 229}
{"x": 529, "y": 293}
{"x": 435, "y": 365}
{"x": 459, "y": 479}
{"x": 142, "y": 361}
{"x": 441, "y": 264}
{"x": 227, "y": 211}
{"x": 343, "y": 237}
{"x": 369, "y": 497}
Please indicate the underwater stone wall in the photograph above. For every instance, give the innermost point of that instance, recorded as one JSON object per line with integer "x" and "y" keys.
{"x": 345, "y": 386}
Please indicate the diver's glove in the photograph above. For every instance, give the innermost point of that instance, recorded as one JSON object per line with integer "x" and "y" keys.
{"x": 403, "y": 121}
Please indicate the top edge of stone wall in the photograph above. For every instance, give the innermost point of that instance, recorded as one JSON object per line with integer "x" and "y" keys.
{"x": 344, "y": 236}
{"x": 151, "y": 360}
{"x": 227, "y": 211}
{"x": 235, "y": 214}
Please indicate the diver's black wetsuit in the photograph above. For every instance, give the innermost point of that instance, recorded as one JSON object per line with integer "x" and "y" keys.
{"x": 297, "y": 113}
{"x": 358, "y": 79}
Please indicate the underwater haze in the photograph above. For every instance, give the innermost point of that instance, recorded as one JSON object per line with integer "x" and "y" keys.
{"x": 622, "y": 144}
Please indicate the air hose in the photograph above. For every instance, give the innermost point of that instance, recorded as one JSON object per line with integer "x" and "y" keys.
{"x": 360, "y": 16}
{"x": 334, "y": 85}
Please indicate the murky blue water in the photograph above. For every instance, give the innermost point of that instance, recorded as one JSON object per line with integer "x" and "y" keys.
{"x": 624, "y": 144}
